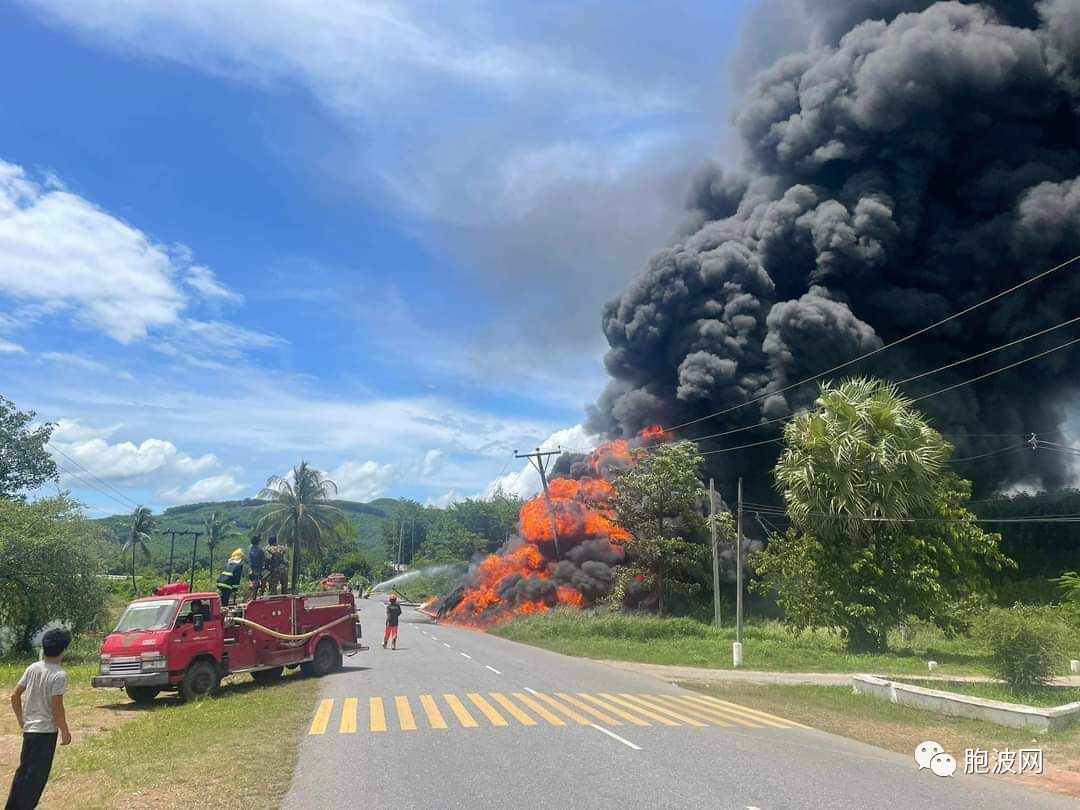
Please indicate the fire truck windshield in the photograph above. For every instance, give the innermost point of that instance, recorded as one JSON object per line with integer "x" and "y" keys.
{"x": 156, "y": 615}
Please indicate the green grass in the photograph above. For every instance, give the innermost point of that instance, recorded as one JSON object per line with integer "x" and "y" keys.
{"x": 1047, "y": 696}
{"x": 767, "y": 645}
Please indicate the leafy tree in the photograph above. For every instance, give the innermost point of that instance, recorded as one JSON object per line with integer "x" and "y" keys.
{"x": 24, "y": 462}
{"x": 446, "y": 540}
{"x": 880, "y": 532}
{"x": 493, "y": 518}
{"x": 50, "y": 561}
{"x": 138, "y": 536}
{"x": 300, "y": 513}
{"x": 218, "y": 529}
{"x": 659, "y": 504}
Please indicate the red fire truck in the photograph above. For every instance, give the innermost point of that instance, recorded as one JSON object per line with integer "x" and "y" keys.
{"x": 187, "y": 642}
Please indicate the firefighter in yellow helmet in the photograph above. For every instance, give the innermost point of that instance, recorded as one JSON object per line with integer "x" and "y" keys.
{"x": 228, "y": 581}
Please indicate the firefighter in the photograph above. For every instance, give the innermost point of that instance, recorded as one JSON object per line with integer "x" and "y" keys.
{"x": 277, "y": 567}
{"x": 393, "y": 613}
{"x": 228, "y": 581}
{"x": 256, "y": 567}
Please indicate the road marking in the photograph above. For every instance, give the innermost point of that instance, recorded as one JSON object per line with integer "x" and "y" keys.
{"x": 615, "y": 736}
{"x": 446, "y": 645}
{"x": 322, "y": 716}
{"x": 581, "y": 720}
{"x": 404, "y": 712}
{"x": 715, "y": 717}
{"x": 492, "y": 669}
{"x": 659, "y": 718}
{"x": 517, "y": 713}
{"x": 378, "y": 714}
{"x": 599, "y": 715}
{"x": 433, "y": 638}
{"x": 465, "y": 655}
{"x": 688, "y": 702}
{"x": 765, "y": 717}
{"x": 487, "y": 709}
{"x": 431, "y": 709}
{"x": 652, "y": 704}
{"x": 539, "y": 710}
{"x": 615, "y": 710}
{"x": 741, "y": 715}
{"x": 459, "y": 710}
{"x": 348, "y": 717}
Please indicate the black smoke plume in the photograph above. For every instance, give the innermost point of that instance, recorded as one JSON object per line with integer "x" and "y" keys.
{"x": 917, "y": 158}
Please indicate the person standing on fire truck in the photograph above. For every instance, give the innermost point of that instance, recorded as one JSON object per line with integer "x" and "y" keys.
{"x": 393, "y": 613}
{"x": 228, "y": 581}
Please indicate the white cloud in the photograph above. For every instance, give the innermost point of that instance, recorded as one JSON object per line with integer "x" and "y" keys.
{"x": 214, "y": 488}
{"x": 122, "y": 460}
{"x": 525, "y": 482}
{"x": 433, "y": 461}
{"x": 205, "y": 282}
{"x": 85, "y": 363}
{"x": 444, "y": 500}
{"x": 361, "y": 481}
{"x": 7, "y": 347}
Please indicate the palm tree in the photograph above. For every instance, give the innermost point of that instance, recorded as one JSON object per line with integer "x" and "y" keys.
{"x": 300, "y": 512}
{"x": 218, "y": 528}
{"x": 142, "y": 523}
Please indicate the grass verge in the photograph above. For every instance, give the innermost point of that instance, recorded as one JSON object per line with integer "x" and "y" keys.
{"x": 899, "y": 728}
{"x": 175, "y": 754}
{"x": 767, "y": 645}
{"x": 1046, "y": 697}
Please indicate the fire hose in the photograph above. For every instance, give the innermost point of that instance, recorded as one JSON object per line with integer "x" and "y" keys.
{"x": 286, "y": 636}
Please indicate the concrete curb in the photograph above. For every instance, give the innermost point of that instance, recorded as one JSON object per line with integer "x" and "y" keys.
{"x": 1015, "y": 715}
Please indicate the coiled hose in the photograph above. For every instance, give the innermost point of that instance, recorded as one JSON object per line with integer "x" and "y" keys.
{"x": 286, "y": 636}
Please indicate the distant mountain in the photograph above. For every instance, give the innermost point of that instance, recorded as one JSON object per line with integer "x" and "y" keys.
{"x": 368, "y": 519}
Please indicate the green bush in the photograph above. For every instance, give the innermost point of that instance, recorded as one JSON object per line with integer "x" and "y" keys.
{"x": 1027, "y": 644}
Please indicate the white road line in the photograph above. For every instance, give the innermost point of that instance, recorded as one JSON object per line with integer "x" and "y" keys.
{"x": 465, "y": 655}
{"x": 488, "y": 666}
{"x": 433, "y": 638}
{"x": 446, "y": 645}
{"x": 531, "y": 691}
{"x": 615, "y": 736}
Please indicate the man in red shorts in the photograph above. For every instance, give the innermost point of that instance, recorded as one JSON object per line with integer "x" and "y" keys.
{"x": 393, "y": 613}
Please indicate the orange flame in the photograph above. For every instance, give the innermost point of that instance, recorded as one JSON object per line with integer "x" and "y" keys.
{"x": 583, "y": 510}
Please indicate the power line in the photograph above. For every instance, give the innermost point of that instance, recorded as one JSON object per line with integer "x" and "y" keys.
{"x": 1009, "y": 449}
{"x": 880, "y": 349}
{"x": 89, "y": 485}
{"x": 96, "y": 478}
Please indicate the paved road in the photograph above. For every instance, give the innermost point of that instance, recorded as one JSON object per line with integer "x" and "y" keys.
{"x": 460, "y": 719}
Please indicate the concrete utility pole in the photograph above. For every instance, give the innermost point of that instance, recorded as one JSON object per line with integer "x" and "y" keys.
{"x": 172, "y": 544}
{"x": 401, "y": 544}
{"x": 194, "y": 548}
{"x": 539, "y": 460}
{"x": 715, "y": 555}
{"x": 736, "y": 652}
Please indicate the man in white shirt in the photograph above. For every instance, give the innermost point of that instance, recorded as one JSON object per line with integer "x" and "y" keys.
{"x": 38, "y": 703}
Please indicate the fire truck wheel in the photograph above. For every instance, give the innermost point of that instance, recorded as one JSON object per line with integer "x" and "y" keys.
{"x": 200, "y": 679}
{"x": 326, "y": 660}
{"x": 142, "y": 694}
{"x": 267, "y": 675}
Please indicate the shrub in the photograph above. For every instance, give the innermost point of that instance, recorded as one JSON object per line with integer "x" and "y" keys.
{"x": 1027, "y": 644}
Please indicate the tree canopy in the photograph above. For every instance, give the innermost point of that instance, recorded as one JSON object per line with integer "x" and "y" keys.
{"x": 880, "y": 529}
{"x": 25, "y": 463}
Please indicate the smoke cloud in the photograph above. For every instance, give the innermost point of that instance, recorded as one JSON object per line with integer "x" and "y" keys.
{"x": 916, "y": 158}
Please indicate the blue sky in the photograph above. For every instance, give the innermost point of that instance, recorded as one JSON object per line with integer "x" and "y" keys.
{"x": 374, "y": 236}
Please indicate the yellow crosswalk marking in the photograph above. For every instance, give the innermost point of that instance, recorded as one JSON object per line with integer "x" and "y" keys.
{"x": 322, "y": 716}
{"x": 538, "y": 709}
{"x": 515, "y": 712}
{"x": 659, "y": 718}
{"x": 763, "y": 717}
{"x": 649, "y": 703}
{"x": 460, "y": 712}
{"x": 378, "y": 714}
{"x": 615, "y": 710}
{"x": 431, "y": 709}
{"x": 487, "y": 710}
{"x": 714, "y": 717}
{"x": 580, "y": 719}
{"x": 404, "y": 713}
{"x": 733, "y": 716}
{"x": 599, "y": 715}
{"x": 348, "y": 717}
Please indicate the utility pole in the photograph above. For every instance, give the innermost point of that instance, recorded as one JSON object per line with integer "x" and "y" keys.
{"x": 737, "y": 647}
{"x": 539, "y": 460}
{"x": 194, "y": 548}
{"x": 715, "y": 555}
{"x": 401, "y": 544}
{"x": 172, "y": 544}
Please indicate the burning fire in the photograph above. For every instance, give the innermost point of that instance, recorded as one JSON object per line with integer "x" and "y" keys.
{"x": 533, "y": 577}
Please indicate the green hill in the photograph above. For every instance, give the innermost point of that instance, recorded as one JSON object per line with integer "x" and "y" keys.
{"x": 367, "y": 518}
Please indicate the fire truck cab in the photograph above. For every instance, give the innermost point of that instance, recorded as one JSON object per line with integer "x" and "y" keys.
{"x": 187, "y": 642}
